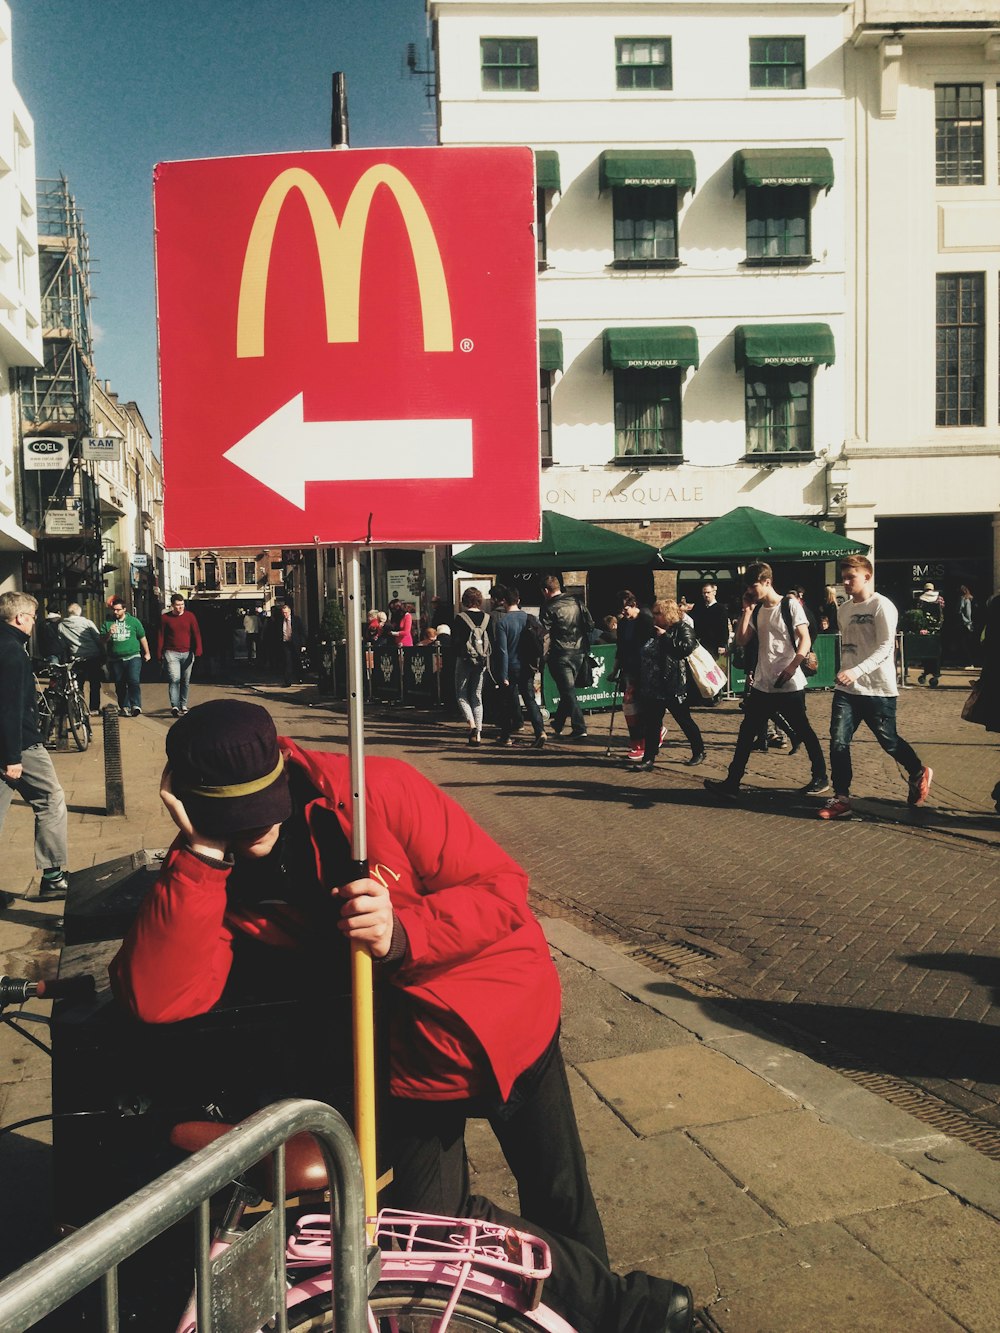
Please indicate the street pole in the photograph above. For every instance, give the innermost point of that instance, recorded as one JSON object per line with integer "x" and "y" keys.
{"x": 362, "y": 990}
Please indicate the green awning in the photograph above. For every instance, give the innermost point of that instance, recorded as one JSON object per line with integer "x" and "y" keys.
{"x": 547, "y": 170}
{"x": 650, "y": 349}
{"x": 647, "y": 166}
{"x": 550, "y": 351}
{"x": 747, "y": 534}
{"x": 782, "y": 166}
{"x": 784, "y": 345}
{"x": 566, "y": 543}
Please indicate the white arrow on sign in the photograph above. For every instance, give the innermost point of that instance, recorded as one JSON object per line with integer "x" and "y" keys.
{"x": 285, "y": 451}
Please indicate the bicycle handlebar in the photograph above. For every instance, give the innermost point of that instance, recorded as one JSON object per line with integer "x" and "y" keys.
{"x": 15, "y": 990}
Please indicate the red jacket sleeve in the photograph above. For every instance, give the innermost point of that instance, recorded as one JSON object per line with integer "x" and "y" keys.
{"x": 176, "y": 957}
{"x": 477, "y": 896}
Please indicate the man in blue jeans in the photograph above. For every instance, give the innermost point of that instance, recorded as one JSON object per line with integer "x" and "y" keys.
{"x": 866, "y": 688}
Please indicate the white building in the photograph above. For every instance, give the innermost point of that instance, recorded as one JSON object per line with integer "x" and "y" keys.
{"x": 20, "y": 306}
{"x": 749, "y": 260}
{"x": 922, "y": 452}
{"x": 691, "y": 173}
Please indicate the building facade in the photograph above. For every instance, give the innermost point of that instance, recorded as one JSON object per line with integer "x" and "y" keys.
{"x": 922, "y": 453}
{"x": 20, "y": 306}
{"x": 768, "y": 264}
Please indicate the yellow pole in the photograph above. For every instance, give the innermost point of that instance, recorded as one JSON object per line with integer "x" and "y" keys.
{"x": 364, "y": 1071}
{"x": 363, "y": 1009}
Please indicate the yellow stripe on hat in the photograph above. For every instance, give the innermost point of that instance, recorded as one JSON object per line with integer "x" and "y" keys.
{"x": 239, "y": 788}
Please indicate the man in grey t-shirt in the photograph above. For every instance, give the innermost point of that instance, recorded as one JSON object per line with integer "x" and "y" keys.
{"x": 866, "y": 688}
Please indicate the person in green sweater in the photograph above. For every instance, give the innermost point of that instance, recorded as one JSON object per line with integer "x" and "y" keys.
{"x": 127, "y": 650}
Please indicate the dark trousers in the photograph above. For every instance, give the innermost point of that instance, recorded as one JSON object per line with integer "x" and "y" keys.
{"x": 652, "y": 714}
{"x": 758, "y": 709}
{"x": 88, "y": 672}
{"x": 879, "y": 713}
{"x": 291, "y": 658}
{"x": 537, "y": 1132}
{"x": 516, "y": 693}
{"x": 564, "y": 669}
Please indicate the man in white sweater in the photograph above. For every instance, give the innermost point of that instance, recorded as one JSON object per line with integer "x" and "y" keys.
{"x": 866, "y": 688}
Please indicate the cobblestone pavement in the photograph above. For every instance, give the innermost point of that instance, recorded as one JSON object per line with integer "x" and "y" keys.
{"x": 876, "y": 938}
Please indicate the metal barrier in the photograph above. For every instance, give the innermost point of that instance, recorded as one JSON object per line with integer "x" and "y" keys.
{"x": 94, "y": 1252}
{"x": 407, "y": 676}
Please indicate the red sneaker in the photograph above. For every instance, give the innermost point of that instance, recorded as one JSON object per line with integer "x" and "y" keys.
{"x": 920, "y": 785}
{"x": 838, "y": 807}
{"x": 636, "y": 752}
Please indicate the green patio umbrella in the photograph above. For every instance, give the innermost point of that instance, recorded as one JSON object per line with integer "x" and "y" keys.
{"x": 747, "y": 534}
{"x": 567, "y": 543}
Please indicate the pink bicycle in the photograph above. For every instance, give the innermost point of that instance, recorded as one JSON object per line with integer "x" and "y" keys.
{"x": 436, "y": 1272}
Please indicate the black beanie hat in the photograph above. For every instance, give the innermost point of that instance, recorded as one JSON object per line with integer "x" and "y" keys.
{"x": 226, "y": 767}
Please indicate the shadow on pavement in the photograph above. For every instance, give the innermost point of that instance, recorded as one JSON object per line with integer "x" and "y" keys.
{"x": 905, "y": 1046}
{"x": 984, "y": 969}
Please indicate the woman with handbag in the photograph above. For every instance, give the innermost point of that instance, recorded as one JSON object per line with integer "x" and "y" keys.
{"x": 664, "y": 684}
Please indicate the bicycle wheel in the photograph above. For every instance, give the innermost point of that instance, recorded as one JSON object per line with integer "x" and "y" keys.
{"x": 78, "y": 720}
{"x": 415, "y": 1307}
{"x": 48, "y": 713}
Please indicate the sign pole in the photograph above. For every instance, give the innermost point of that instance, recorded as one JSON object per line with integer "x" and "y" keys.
{"x": 362, "y": 989}
{"x": 361, "y": 962}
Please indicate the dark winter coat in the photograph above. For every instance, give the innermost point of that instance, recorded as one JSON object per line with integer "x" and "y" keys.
{"x": 663, "y": 670}
{"x": 18, "y": 698}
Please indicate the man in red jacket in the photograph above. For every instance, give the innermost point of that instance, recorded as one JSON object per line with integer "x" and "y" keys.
{"x": 264, "y": 844}
{"x": 178, "y": 644}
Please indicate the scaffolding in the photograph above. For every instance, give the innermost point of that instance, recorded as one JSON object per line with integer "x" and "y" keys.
{"x": 56, "y": 401}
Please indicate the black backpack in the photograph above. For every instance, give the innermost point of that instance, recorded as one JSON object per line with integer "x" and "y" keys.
{"x": 531, "y": 645}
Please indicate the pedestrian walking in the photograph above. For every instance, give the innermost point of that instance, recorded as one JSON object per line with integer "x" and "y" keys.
{"x": 25, "y": 764}
{"x": 635, "y": 629}
{"x": 567, "y": 624}
{"x": 967, "y": 627}
{"x": 86, "y": 652}
{"x": 178, "y": 644}
{"x": 251, "y": 631}
{"x": 292, "y": 639}
{"x": 989, "y": 678}
{"x": 514, "y": 665}
{"x": 126, "y": 640}
{"x": 778, "y": 627}
{"x": 472, "y": 647}
{"x": 866, "y": 689}
{"x": 665, "y": 683}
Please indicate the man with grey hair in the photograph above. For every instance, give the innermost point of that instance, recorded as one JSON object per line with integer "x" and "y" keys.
{"x": 25, "y": 764}
{"x": 86, "y": 651}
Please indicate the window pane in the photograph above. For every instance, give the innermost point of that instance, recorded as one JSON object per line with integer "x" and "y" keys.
{"x": 777, "y": 221}
{"x": 647, "y": 413}
{"x": 249, "y": 571}
{"x": 779, "y": 410}
{"x": 545, "y": 404}
{"x": 777, "y": 62}
{"x": 958, "y": 109}
{"x": 509, "y": 63}
{"x": 645, "y": 223}
{"x": 960, "y": 348}
{"x": 643, "y": 62}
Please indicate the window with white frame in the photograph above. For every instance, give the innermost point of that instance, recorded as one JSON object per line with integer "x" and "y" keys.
{"x": 958, "y": 134}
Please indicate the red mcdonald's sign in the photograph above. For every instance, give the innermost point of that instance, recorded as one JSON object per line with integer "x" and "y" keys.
{"x": 345, "y": 334}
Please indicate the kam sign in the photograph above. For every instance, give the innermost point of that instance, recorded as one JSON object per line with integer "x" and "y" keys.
{"x": 364, "y": 342}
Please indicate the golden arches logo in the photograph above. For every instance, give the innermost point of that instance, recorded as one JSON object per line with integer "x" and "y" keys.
{"x": 340, "y": 246}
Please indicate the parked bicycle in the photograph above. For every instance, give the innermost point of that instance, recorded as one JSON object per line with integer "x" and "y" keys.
{"x": 62, "y": 708}
{"x": 435, "y": 1273}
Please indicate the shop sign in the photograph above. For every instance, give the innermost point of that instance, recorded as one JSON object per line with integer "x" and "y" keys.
{"x": 46, "y": 453}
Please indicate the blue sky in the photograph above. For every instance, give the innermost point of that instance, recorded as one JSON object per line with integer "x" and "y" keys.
{"x": 116, "y": 86}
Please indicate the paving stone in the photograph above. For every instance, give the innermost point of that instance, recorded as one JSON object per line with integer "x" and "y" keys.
{"x": 662, "y": 1090}
{"x": 807, "y": 1171}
